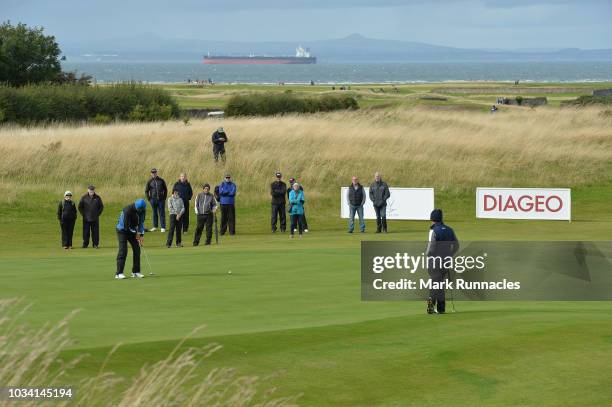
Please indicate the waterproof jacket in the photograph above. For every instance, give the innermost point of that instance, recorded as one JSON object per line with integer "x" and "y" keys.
{"x": 216, "y": 139}
{"x": 131, "y": 220}
{"x": 277, "y": 190}
{"x": 176, "y": 206}
{"x": 156, "y": 189}
{"x": 184, "y": 190}
{"x": 227, "y": 192}
{"x": 91, "y": 207}
{"x": 356, "y": 197}
{"x": 205, "y": 203}
{"x": 379, "y": 193}
{"x": 296, "y": 200}
{"x": 66, "y": 211}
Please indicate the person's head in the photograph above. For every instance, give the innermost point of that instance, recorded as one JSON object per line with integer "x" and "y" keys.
{"x": 154, "y": 172}
{"x": 355, "y": 180}
{"x": 436, "y": 216}
{"x": 183, "y": 177}
{"x": 140, "y": 205}
{"x": 68, "y": 195}
{"x": 220, "y": 130}
{"x": 377, "y": 177}
{"x": 278, "y": 176}
{"x": 228, "y": 177}
{"x": 175, "y": 193}
{"x": 206, "y": 188}
{"x": 295, "y": 186}
{"x": 291, "y": 181}
{"x": 91, "y": 190}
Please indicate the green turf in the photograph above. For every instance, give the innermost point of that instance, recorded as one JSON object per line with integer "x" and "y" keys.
{"x": 292, "y": 307}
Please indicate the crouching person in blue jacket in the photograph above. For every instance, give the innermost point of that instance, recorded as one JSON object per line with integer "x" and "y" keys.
{"x": 130, "y": 228}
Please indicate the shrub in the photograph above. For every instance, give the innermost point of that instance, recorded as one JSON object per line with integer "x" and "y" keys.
{"x": 73, "y": 102}
{"x": 101, "y": 119}
{"x": 519, "y": 100}
{"x": 268, "y": 104}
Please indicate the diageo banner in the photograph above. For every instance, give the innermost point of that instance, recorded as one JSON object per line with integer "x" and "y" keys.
{"x": 524, "y": 203}
{"x": 535, "y": 270}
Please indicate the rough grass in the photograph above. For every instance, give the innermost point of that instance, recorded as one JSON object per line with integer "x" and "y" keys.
{"x": 451, "y": 151}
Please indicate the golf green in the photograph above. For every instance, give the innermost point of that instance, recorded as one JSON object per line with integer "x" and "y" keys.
{"x": 292, "y": 309}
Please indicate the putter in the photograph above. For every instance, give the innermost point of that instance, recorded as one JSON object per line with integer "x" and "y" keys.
{"x": 148, "y": 262}
{"x": 450, "y": 275}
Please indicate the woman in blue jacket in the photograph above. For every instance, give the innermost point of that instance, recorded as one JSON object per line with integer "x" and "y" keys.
{"x": 296, "y": 203}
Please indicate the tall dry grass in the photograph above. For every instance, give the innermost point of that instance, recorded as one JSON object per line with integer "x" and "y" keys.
{"x": 449, "y": 150}
{"x": 31, "y": 358}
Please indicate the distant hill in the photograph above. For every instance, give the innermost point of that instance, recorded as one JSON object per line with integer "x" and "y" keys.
{"x": 354, "y": 48}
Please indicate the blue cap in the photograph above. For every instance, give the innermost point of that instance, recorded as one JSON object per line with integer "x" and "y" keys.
{"x": 140, "y": 204}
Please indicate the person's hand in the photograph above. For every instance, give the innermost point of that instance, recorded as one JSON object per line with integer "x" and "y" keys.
{"x": 140, "y": 240}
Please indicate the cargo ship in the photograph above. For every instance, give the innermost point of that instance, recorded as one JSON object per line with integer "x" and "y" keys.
{"x": 302, "y": 56}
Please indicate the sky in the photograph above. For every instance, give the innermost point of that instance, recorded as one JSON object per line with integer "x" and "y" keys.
{"x": 490, "y": 24}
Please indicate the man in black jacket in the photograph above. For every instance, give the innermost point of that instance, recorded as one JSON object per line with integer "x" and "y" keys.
{"x": 219, "y": 138}
{"x": 90, "y": 208}
{"x": 67, "y": 214}
{"x": 356, "y": 199}
{"x": 156, "y": 192}
{"x": 186, "y": 193}
{"x": 277, "y": 190}
{"x": 379, "y": 193}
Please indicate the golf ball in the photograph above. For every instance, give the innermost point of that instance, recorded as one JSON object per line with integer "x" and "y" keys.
{"x": 229, "y": 272}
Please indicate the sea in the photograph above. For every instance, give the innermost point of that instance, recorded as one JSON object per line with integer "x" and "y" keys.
{"x": 346, "y": 73}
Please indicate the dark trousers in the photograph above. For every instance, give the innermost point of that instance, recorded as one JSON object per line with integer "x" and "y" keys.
{"x": 204, "y": 220}
{"x": 159, "y": 212}
{"x": 228, "y": 219}
{"x": 296, "y": 220}
{"x": 278, "y": 211}
{"x": 67, "y": 227}
{"x": 92, "y": 228}
{"x": 124, "y": 239}
{"x": 185, "y": 217}
{"x": 219, "y": 151}
{"x": 381, "y": 217}
{"x": 437, "y": 296}
{"x": 175, "y": 226}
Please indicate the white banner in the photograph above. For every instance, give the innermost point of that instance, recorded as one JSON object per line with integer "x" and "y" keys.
{"x": 404, "y": 203}
{"x": 524, "y": 203}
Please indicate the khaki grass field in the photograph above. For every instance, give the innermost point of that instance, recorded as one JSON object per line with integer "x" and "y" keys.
{"x": 289, "y": 316}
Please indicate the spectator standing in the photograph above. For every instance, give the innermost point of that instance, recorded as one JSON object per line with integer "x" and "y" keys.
{"x": 277, "y": 190}
{"x": 90, "y": 208}
{"x": 157, "y": 192}
{"x": 176, "y": 210}
{"x": 219, "y": 138}
{"x": 186, "y": 193}
{"x": 296, "y": 208}
{"x": 379, "y": 193}
{"x": 67, "y": 215}
{"x": 356, "y": 199}
{"x": 227, "y": 195}
{"x": 205, "y": 207}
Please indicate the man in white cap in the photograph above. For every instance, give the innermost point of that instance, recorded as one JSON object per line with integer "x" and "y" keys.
{"x": 67, "y": 214}
{"x": 219, "y": 138}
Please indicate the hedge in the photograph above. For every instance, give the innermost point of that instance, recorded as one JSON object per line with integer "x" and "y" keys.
{"x": 269, "y": 104}
{"x": 98, "y": 104}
